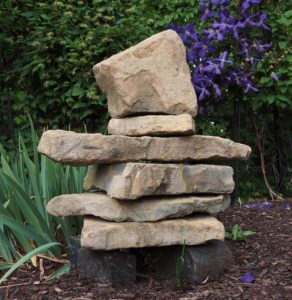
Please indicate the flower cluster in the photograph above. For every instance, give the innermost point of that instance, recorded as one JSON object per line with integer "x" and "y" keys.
{"x": 223, "y": 54}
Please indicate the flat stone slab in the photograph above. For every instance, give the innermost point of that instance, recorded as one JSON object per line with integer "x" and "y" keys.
{"x": 151, "y": 77}
{"x": 162, "y": 125}
{"x": 111, "y": 267}
{"x": 104, "y": 235}
{"x": 209, "y": 260}
{"x": 148, "y": 209}
{"x": 87, "y": 149}
{"x": 134, "y": 180}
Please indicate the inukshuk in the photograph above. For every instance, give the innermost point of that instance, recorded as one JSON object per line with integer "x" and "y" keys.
{"x": 157, "y": 183}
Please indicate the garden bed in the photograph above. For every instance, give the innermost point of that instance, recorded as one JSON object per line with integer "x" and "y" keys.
{"x": 266, "y": 256}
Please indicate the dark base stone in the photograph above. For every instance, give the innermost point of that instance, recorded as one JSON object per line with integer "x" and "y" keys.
{"x": 120, "y": 267}
{"x": 112, "y": 267}
{"x": 73, "y": 249}
{"x": 201, "y": 261}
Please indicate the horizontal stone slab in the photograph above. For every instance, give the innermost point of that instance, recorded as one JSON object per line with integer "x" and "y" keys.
{"x": 151, "y": 77}
{"x": 148, "y": 209}
{"x": 104, "y": 235}
{"x": 87, "y": 149}
{"x": 134, "y": 180}
{"x": 164, "y": 125}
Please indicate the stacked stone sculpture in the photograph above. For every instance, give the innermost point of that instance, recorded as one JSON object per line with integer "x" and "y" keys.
{"x": 158, "y": 183}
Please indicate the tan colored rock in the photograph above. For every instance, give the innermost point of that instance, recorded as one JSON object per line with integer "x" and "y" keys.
{"x": 87, "y": 149}
{"x": 156, "y": 125}
{"x": 134, "y": 180}
{"x": 151, "y": 77}
{"x": 104, "y": 235}
{"x": 147, "y": 209}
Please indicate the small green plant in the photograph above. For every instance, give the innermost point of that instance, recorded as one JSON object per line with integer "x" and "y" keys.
{"x": 237, "y": 234}
{"x": 179, "y": 265}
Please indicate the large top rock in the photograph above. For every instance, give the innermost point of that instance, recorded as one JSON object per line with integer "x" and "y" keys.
{"x": 87, "y": 149}
{"x": 151, "y": 77}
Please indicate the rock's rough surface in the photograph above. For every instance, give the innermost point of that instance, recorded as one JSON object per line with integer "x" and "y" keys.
{"x": 87, "y": 149}
{"x": 200, "y": 261}
{"x": 161, "y": 125}
{"x": 111, "y": 267}
{"x": 134, "y": 180}
{"x": 104, "y": 235}
{"x": 148, "y": 209}
{"x": 151, "y": 77}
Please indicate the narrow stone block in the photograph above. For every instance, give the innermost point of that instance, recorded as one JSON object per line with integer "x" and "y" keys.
{"x": 164, "y": 125}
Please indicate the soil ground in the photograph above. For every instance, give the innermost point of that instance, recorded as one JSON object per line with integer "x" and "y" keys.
{"x": 267, "y": 256}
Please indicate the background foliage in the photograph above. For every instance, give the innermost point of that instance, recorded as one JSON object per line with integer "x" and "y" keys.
{"x": 48, "y": 49}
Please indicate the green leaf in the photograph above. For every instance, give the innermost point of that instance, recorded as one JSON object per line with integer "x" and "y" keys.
{"x": 28, "y": 256}
{"x": 59, "y": 272}
{"x": 77, "y": 91}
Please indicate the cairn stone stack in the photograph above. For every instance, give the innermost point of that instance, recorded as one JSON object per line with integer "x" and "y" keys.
{"x": 158, "y": 183}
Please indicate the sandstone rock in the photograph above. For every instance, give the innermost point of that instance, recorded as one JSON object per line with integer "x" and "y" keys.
{"x": 162, "y": 125}
{"x": 104, "y": 235}
{"x": 151, "y": 77}
{"x": 87, "y": 149}
{"x": 147, "y": 209}
{"x": 134, "y": 180}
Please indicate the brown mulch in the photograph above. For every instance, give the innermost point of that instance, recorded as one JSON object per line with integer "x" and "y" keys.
{"x": 267, "y": 256}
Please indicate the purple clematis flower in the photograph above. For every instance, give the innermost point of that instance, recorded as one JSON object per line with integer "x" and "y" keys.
{"x": 261, "y": 23}
{"x": 202, "y": 91}
{"x": 287, "y": 206}
{"x": 187, "y": 32}
{"x": 207, "y": 12}
{"x": 275, "y": 76}
{"x": 222, "y": 60}
{"x": 247, "y": 278}
{"x": 250, "y": 87}
{"x": 259, "y": 205}
{"x": 261, "y": 47}
{"x": 247, "y": 3}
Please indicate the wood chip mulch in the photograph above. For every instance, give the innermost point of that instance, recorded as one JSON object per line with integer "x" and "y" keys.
{"x": 267, "y": 256}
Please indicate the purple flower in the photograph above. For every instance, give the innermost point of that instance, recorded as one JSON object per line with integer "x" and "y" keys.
{"x": 275, "y": 76}
{"x": 212, "y": 67}
{"x": 249, "y": 87}
{"x": 287, "y": 206}
{"x": 202, "y": 91}
{"x": 261, "y": 23}
{"x": 247, "y": 3}
{"x": 247, "y": 278}
{"x": 222, "y": 60}
{"x": 261, "y": 47}
{"x": 259, "y": 205}
{"x": 186, "y": 32}
{"x": 207, "y": 12}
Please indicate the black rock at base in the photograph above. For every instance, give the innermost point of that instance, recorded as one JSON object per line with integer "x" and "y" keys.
{"x": 73, "y": 249}
{"x": 120, "y": 267}
{"x": 200, "y": 261}
{"x": 112, "y": 267}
